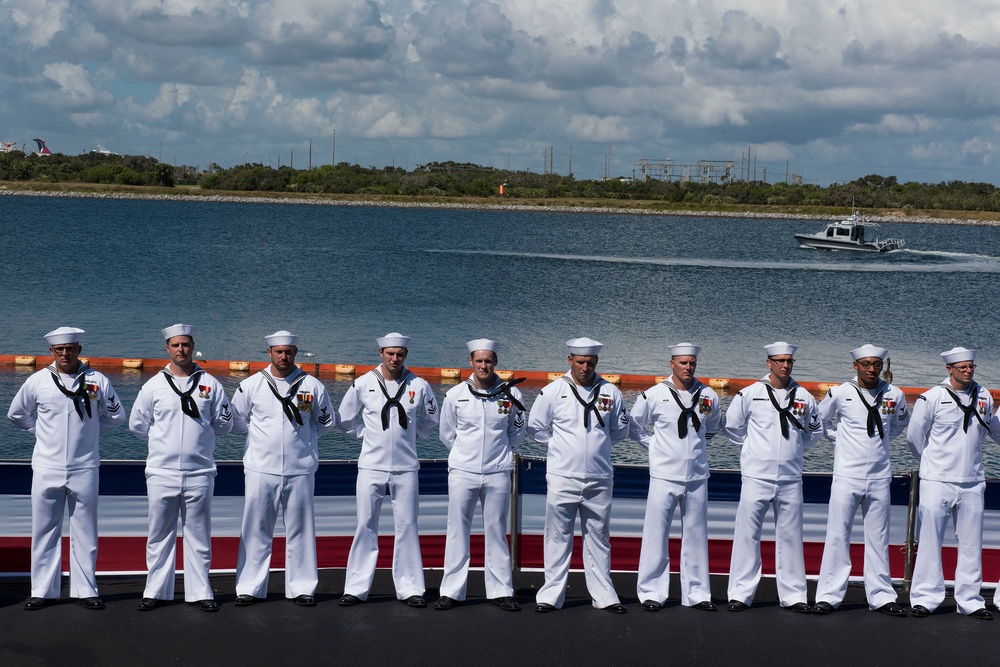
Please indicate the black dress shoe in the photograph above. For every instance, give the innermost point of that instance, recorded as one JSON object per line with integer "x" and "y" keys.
{"x": 507, "y": 604}
{"x": 444, "y": 603}
{"x": 149, "y": 604}
{"x": 892, "y": 609}
{"x": 349, "y": 600}
{"x": 94, "y": 603}
{"x": 919, "y": 611}
{"x": 982, "y": 614}
{"x": 415, "y": 601}
{"x": 736, "y": 605}
{"x": 34, "y": 604}
{"x": 707, "y": 605}
{"x": 304, "y": 600}
{"x": 823, "y": 607}
{"x": 245, "y": 600}
{"x": 617, "y": 608}
{"x": 207, "y": 605}
{"x": 801, "y": 608}
{"x": 651, "y": 605}
{"x": 544, "y": 607}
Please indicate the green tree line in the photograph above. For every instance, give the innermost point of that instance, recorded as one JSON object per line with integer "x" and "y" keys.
{"x": 451, "y": 179}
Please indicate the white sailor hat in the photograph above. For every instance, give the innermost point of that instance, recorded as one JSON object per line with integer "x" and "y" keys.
{"x": 684, "y": 350}
{"x": 781, "y": 347}
{"x": 957, "y": 354}
{"x": 177, "y": 330}
{"x": 393, "y": 339}
{"x": 282, "y": 338}
{"x": 64, "y": 336}
{"x": 584, "y": 346}
{"x": 483, "y": 344}
{"x": 869, "y": 350}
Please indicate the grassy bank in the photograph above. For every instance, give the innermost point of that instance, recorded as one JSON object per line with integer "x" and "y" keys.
{"x": 567, "y": 204}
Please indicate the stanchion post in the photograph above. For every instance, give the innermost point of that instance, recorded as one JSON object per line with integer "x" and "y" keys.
{"x": 515, "y": 515}
{"x": 911, "y": 529}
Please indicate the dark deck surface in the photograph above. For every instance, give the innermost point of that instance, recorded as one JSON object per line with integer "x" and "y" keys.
{"x": 384, "y": 631}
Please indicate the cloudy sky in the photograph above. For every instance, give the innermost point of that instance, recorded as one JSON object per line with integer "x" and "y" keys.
{"x": 828, "y": 90}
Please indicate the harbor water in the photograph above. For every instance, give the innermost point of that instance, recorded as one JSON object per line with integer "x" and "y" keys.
{"x": 342, "y": 275}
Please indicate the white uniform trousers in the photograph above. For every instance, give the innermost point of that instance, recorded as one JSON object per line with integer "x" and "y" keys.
{"x": 407, "y": 565}
{"x": 654, "y": 558}
{"x": 756, "y": 496}
{"x": 963, "y": 504}
{"x": 846, "y": 494}
{"x": 592, "y": 499}
{"x": 52, "y": 493}
{"x": 465, "y": 489}
{"x": 265, "y": 495}
{"x": 190, "y": 497}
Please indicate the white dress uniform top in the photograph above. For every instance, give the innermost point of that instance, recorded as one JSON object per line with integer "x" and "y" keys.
{"x": 481, "y": 430}
{"x": 67, "y": 414}
{"x": 946, "y": 433}
{"x": 393, "y": 416}
{"x": 774, "y": 427}
{"x": 180, "y": 475}
{"x": 867, "y": 421}
{"x": 280, "y": 462}
{"x": 682, "y": 422}
{"x": 578, "y": 425}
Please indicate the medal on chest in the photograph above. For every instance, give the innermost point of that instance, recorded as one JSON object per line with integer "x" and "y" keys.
{"x": 304, "y": 401}
{"x": 798, "y": 408}
{"x": 705, "y": 405}
{"x": 92, "y": 390}
{"x": 412, "y": 395}
{"x": 605, "y": 403}
{"x": 204, "y": 391}
{"x": 504, "y": 406}
{"x": 888, "y": 407}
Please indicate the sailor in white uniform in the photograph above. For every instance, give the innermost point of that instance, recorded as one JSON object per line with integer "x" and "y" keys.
{"x": 870, "y": 412}
{"x": 482, "y": 424}
{"x": 180, "y": 411}
{"x": 578, "y": 418}
{"x": 396, "y": 408}
{"x": 774, "y": 421}
{"x": 282, "y": 410}
{"x": 66, "y": 406}
{"x": 684, "y": 414}
{"x": 946, "y": 433}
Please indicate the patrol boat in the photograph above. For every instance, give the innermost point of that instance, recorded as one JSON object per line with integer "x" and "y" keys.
{"x": 848, "y": 235}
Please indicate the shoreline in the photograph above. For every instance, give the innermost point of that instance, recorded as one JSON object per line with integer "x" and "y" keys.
{"x": 280, "y": 198}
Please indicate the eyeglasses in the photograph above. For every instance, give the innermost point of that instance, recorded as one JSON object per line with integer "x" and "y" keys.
{"x": 965, "y": 368}
{"x": 870, "y": 364}
{"x": 781, "y": 362}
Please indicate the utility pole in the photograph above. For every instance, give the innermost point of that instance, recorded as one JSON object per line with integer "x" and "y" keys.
{"x": 310, "y": 154}
{"x": 291, "y": 158}
{"x": 551, "y": 153}
{"x": 571, "y": 161}
{"x": 333, "y": 154}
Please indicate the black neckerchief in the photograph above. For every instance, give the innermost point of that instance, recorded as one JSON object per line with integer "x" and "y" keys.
{"x": 502, "y": 390}
{"x": 874, "y": 420}
{"x": 590, "y": 404}
{"x": 785, "y": 413}
{"x": 80, "y": 394}
{"x": 969, "y": 409}
{"x": 287, "y": 404}
{"x": 682, "y": 420}
{"x": 391, "y": 401}
{"x": 188, "y": 406}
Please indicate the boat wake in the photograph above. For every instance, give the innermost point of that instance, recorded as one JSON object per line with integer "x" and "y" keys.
{"x": 944, "y": 253}
{"x": 973, "y": 263}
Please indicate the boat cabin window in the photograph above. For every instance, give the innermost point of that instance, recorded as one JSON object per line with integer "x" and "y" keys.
{"x": 843, "y": 232}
